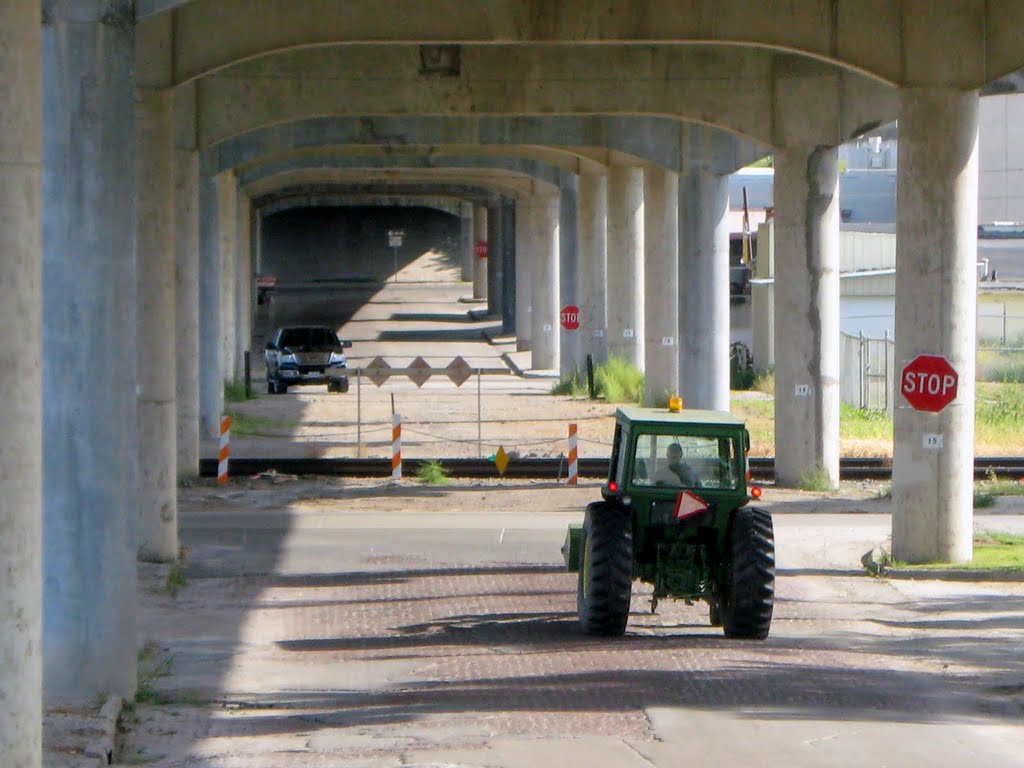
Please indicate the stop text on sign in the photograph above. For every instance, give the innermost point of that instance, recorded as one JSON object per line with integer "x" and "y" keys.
{"x": 929, "y": 383}
{"x": 570, "y": 317}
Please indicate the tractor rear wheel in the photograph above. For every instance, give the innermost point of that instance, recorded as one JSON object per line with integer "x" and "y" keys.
{"x": 606, "y": 570}
{"x": 748, "y": 595}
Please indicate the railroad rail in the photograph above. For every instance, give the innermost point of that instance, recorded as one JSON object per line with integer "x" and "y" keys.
{"x": 1006, "y": 467}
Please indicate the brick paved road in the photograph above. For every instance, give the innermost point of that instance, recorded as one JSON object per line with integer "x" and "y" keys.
{"x": 326, "y": 633}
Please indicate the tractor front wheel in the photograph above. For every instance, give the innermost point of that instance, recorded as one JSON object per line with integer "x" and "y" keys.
{"x": 748, "y": 595}
{"x": 606, "y": 570}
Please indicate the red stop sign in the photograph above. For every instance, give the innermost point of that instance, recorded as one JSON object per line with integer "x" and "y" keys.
{"x": 570, "y": 317}
{"x": 481, "y": 249}
{"x": 929, "y": 383}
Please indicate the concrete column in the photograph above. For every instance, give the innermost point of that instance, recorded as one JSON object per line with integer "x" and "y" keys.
{"x": 227, "y": 233}
{"x": 626, "y": 264}
{"x": 807, "y": 394}
{"x": 479, "y": 263}
{"x": 593, "y": 222}
{"x": 936, "y": 297}
{"x": 466, "y": 241}
{"x": 91, "y": 501}
{"x": 494, "y": 264}
{"x": 21, "y": 597}
{"x": 158, "y": 510}
{"x": 211, "y": 365}
{"x": 544, "y": 266}
{"x": 244, "y": 286}
{"x": 186, "y": 321}
{"x": 704, "y": 291}
{"x": 526, "y": 245}
{"x": 762, "y": 299}
{"x": 568, "y": 273}
{"x": 508, "y": 267}
{"x": 661, "y": 284}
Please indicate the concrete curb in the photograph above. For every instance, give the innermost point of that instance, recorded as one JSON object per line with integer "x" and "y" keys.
{"x": 83, "y": 737}
{"x": 507, "y": 359}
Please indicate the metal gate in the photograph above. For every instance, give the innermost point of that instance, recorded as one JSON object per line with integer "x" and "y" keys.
{"x": 866, "y": 372}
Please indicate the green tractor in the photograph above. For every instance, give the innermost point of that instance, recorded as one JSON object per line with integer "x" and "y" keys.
{"x": 675, "y": 516}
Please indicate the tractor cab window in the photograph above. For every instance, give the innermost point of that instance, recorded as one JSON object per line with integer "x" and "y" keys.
{"x": 685, "y": 461}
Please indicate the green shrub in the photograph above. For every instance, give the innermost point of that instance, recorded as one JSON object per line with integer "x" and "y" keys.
{"x": 764, "y": 381}
{"x": 741, "y": 366}
{"x": 432, "y": 473}
{"x": 619, "y": 381}
{"x": 570, "y": 385}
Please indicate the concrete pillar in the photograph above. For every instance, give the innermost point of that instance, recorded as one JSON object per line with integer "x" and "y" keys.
{"x": 544, "y": 266}
{"x": 186, "y": 319}
{"x": 21, "y": 597}
{"x": 479, "y": 262}
{"x": 936, "y": 296}
{"x": 466, "y": 241}
{"x": 593, "y": 226}
{"x": 158, "y": 510}
{"x": 187, "y": 314}
{"x": 244, "y": 285}
{"x": 568, "y": 273}
{"x": 661, "y": 284}
{"x": 508, "y": 267}
{"x": 495, "y": 240}
{"x": 762, "y": 299}
{"x": 526, "y": 246}
{"x": 211, "y": 365}
{"x": 704, "y": 291}
{"x": 227, "y": 233}
{"x": 807, "y": 393}
{"x": 91, "y": 500}
{"x": 626, "y": 263}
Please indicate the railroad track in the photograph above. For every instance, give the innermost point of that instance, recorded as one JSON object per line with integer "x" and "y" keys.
{"x": 1006, "y": 467}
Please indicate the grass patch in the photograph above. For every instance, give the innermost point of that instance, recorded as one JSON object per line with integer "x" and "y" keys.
{"x": 154, "y": 664}
{"x": 246, "y": 424}
{"x": 1000, "y": 367}
{"x": 616, "y": 381}
{"x": 234, "y": 392}
{"x": 992, "y": 552}
{"x": 764, "y": 381}
{"x": 816, "y": 480}
{"x": 175, "y": 578}
{"x": 984, "y": 500}
{"x": 432, "y": 473}
{"x": 862, "y": 424}
{"x": 570, "y": 385}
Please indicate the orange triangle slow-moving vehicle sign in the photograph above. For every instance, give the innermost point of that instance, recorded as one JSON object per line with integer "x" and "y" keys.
{"x": 689, "y": 504}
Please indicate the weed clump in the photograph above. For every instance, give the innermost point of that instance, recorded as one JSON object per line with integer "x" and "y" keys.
{"x": 432, "y": 473}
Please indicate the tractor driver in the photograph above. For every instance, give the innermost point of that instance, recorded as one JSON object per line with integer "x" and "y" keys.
{"x": 676, "y": 472}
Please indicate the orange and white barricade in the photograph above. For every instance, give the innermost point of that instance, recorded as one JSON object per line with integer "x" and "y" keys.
{"x": 574, "y": 465}
{"x": 396, "y": 447}
{"x": 225, "y": 450}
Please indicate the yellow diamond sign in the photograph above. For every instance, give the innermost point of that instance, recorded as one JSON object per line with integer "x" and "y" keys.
{"x": 501, "y": 461}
